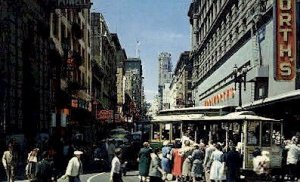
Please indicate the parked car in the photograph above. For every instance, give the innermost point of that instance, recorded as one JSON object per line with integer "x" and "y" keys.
{"x": 120, "y": 134}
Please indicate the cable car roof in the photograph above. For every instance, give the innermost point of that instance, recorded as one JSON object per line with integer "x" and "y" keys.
{"x": 234, "y": 116}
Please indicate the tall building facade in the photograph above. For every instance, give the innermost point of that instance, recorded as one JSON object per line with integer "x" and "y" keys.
{"x": 71, "y": 82}
{"x": 240, "y": 55}
{"x": 121, "y": 58}
{"x": 180, "y": 94}
{"x": 107, "y": 57}
{"x": 24, "y": 68}
{"x": 165, "y": 74}
{"x": 133, "y": 87}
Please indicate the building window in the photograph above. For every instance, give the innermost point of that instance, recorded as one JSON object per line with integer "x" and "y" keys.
{"x": 55, "y": 25}
{"x": 261, "y": 89}
{"x": 189, "y": 85}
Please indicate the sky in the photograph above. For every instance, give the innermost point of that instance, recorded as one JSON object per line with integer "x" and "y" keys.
{"x": 158, "y": 26}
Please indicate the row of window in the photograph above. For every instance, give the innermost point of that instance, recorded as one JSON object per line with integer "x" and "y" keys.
{"x": 215, "y": 48}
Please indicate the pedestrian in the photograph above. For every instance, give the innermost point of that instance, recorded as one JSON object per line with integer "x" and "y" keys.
{"x": 110, "y": 149}
{"x": 186, "y": 151}
{"x": 144, "y": 160}
{"x": 31, "y": 166}
{"x": 216, "y": 165}
{"x": 197, "y": 165}
{"x": 166, "y": 159}
{"x": 45, "y": 169}
{"x": 177, "y": 161}
{"x": 74, "y": 168}
{"x": 233, "y": 161}
{"x": 292, "y": 158}
{"x": 9, "y": 162}
{"x": 206, "y": 163}
{"x": 155, "y": 171}
{"x": 115, "y": 173}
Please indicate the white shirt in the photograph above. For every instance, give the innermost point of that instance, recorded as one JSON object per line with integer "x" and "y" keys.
{"x": 293, "y": 154}
{"x": 115, "y": 166}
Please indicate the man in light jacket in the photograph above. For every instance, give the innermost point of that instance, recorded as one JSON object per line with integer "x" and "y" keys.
{"x": 292, "y": 157}
{"x": 74, "y": 168}
{"x": 9, "y": 162}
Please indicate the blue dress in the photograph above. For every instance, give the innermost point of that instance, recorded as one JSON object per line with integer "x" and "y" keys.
{"x": 165, "y": 161}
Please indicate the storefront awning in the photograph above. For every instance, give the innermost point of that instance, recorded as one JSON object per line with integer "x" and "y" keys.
{"x": 292, "y": 95}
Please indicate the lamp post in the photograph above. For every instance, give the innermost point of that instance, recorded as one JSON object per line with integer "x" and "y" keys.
{"x": 240, "y": 78}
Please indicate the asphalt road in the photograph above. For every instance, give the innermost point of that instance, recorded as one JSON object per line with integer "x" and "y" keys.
{"x": 132, "y": 176}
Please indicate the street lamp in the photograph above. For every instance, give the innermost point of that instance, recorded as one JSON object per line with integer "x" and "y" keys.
{"x": 239, "y": 78}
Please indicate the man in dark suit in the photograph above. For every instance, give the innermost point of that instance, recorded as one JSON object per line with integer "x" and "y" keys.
{"x": 233, "y": 161}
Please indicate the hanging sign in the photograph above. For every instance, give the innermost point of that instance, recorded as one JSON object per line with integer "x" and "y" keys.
{"x": 285, "y": 40}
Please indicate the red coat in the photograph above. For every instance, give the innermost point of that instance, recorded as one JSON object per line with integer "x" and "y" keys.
{"x": 177, "y": 163}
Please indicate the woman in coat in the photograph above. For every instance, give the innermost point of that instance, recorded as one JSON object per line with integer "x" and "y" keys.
{"x": 166, "y": 158}
{"x": 177, "y": 162}
{"x": 155, "y": 171}
{"x": 197, "y": 166}
{"x": 144, "y": 161}
{"x": 186, "y": 152}
{"x": 74, "y": 168}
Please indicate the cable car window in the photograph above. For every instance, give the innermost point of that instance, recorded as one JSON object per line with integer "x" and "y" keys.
{"x": 165, "y": 131}
{"x": 266, "y": 135}
{"x": 155, "y": 134}
{"x": 276, "y": 134}
{"x": 252, "y": 133}
{"x": 176, "y": 131}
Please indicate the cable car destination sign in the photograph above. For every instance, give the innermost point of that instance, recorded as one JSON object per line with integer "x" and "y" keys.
{"x": 285, "y": 39}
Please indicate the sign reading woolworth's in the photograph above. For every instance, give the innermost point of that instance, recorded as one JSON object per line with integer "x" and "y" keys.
{"x": 285, "y": 39}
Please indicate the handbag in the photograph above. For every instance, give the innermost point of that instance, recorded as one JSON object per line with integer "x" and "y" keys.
{"x": 169, "y": 176}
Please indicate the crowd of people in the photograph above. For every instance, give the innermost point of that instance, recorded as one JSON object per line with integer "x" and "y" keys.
{"x": 190, "y": 161}
{"x": 40, "y": 168}
{"x": 183, "y": 160}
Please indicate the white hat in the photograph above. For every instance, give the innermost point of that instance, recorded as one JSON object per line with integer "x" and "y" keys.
{"x": 77, "y": 152}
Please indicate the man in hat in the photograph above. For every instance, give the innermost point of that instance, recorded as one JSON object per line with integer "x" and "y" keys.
{"x": 9, "y": 162}
{"x": 74, "y": 168}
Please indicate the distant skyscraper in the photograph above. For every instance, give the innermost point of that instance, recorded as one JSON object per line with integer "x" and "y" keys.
{"x": 165, "y": 74}
{"x": 134, "y": 82}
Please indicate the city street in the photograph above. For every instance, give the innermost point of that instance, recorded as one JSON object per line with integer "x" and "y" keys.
{"x": 189, "y": 86}
{"x": 132, "y": 176}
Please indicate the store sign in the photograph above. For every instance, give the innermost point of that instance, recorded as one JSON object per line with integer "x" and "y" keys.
{"x": 104, "y": 115}
{"x": 220, "y": 97}
{"x": 285, "y": 40}
{"x": 70, "y": 4}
